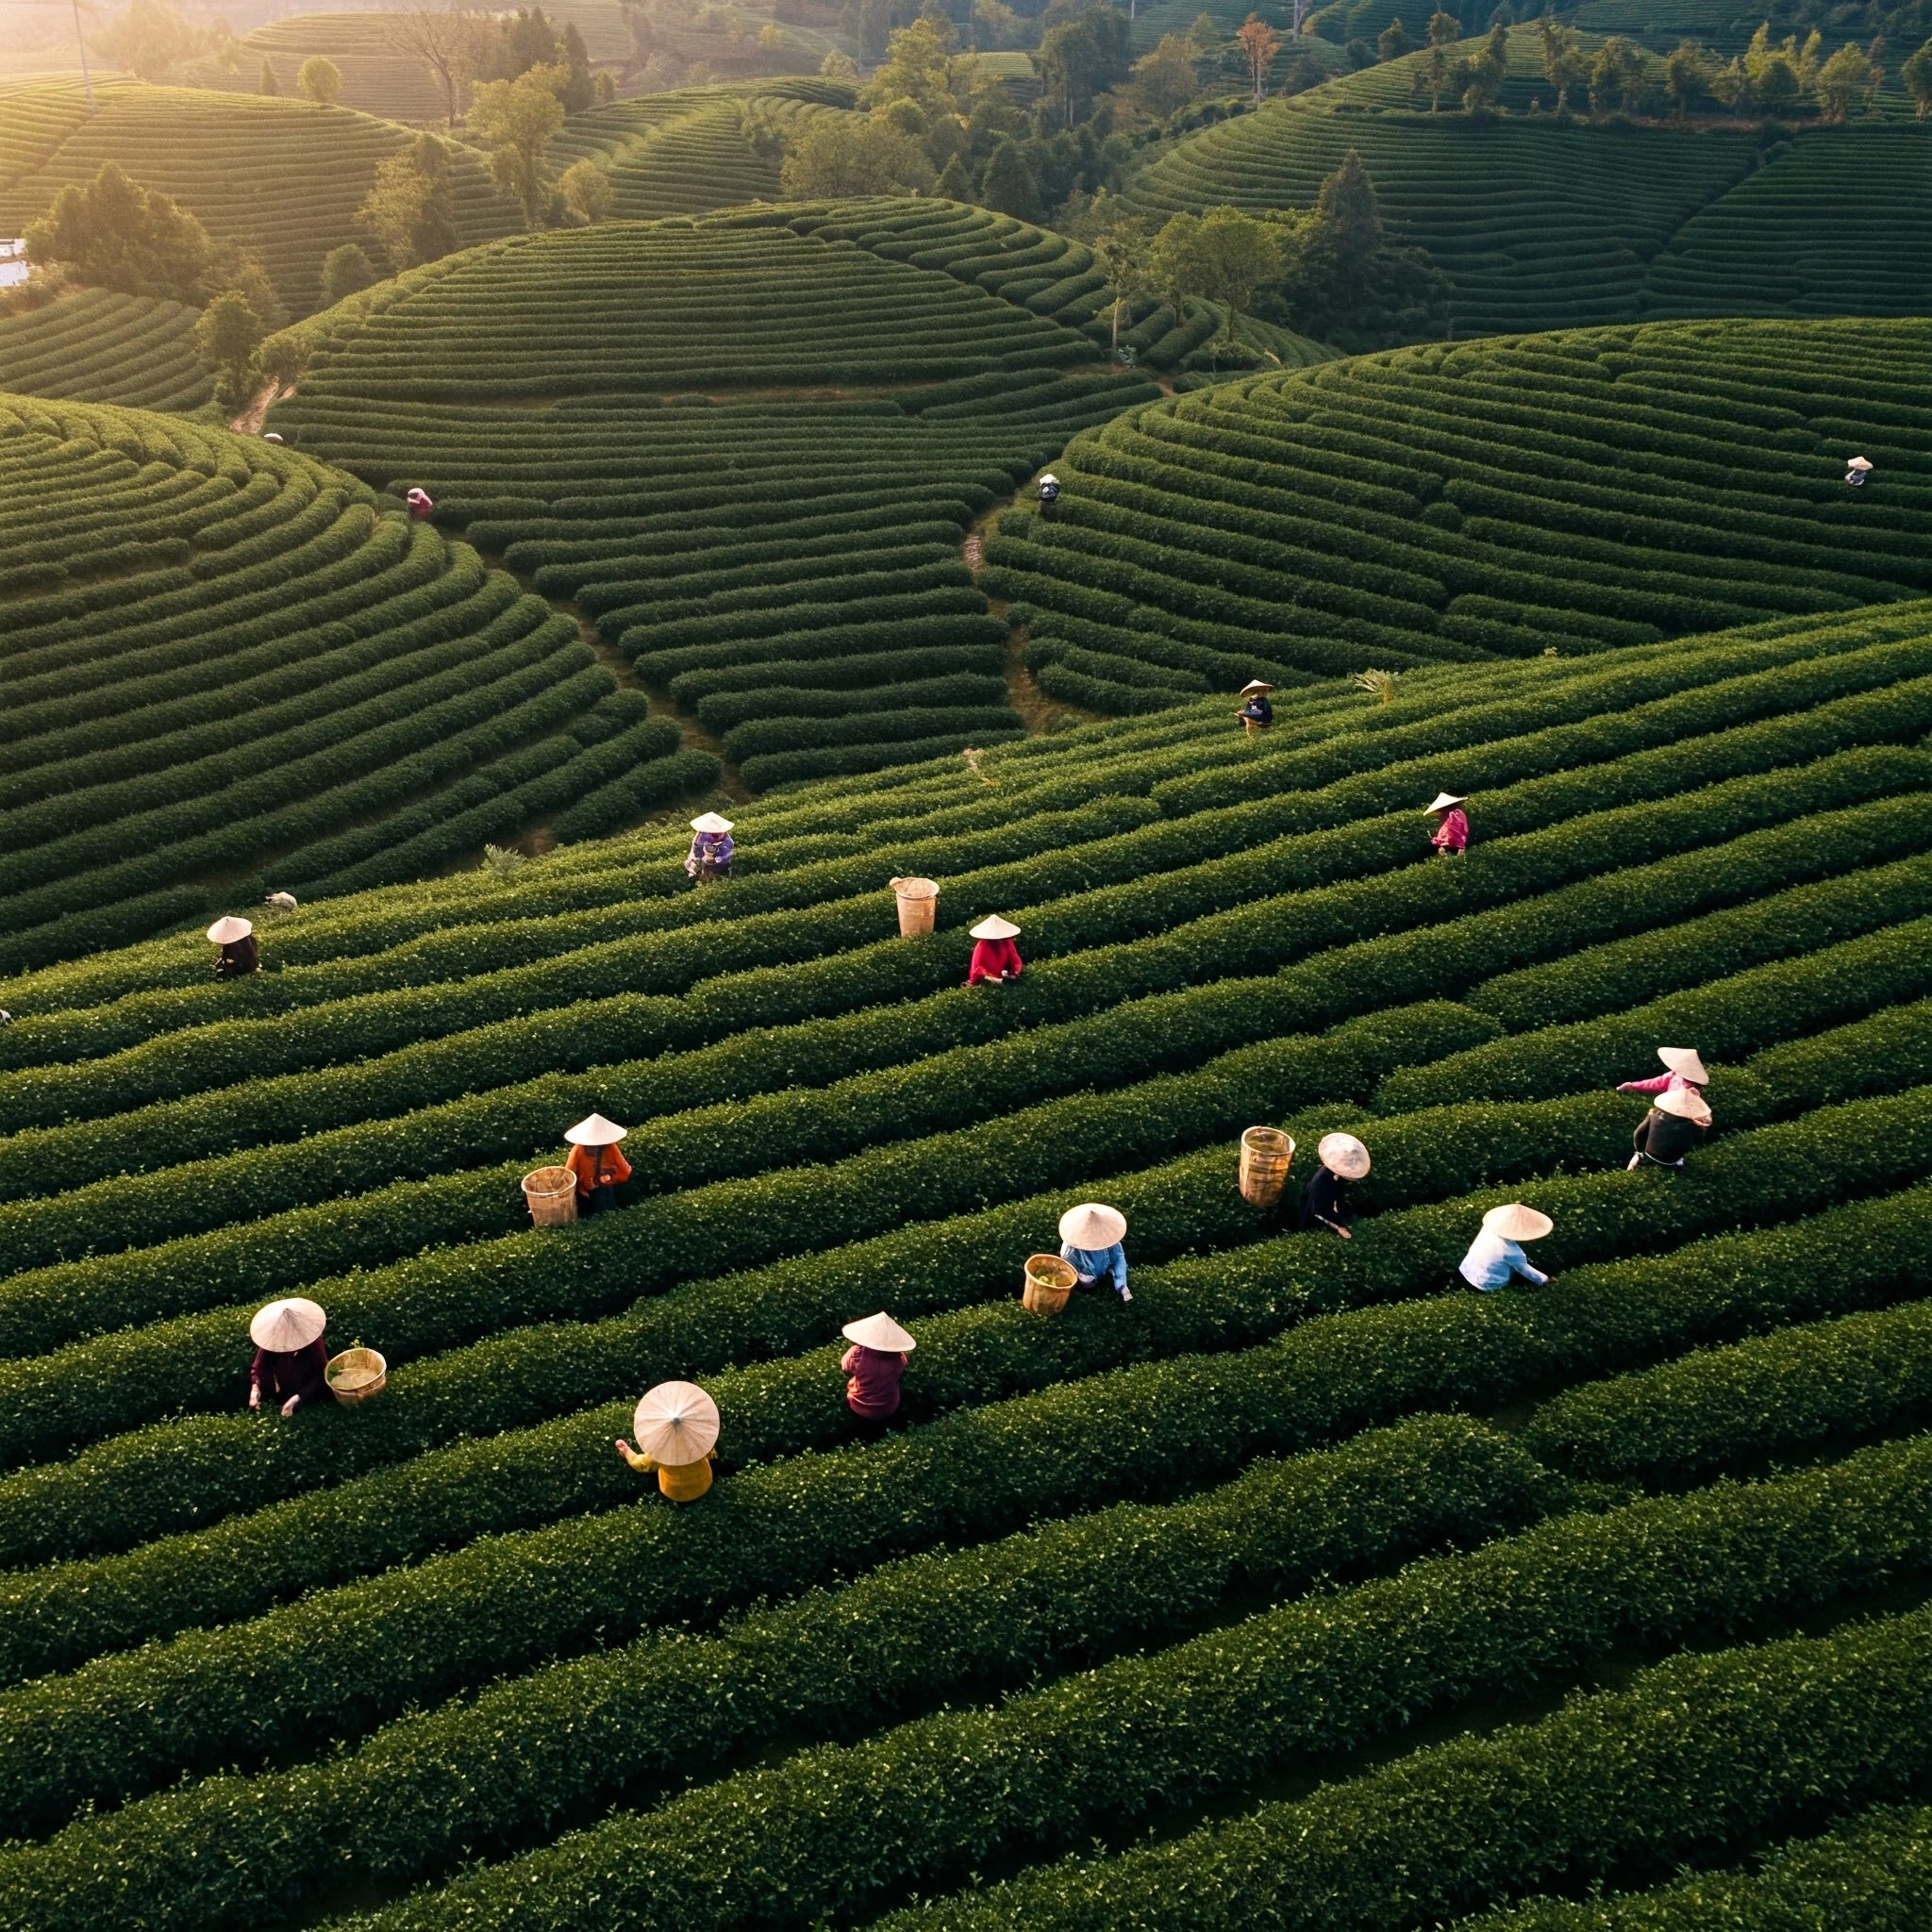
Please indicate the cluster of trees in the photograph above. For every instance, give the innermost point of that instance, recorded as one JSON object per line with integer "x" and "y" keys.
{"x": 465, "y": 51}
{"x": 1328, "y": 271}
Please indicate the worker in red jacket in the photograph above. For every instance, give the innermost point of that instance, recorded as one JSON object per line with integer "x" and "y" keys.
{"x": 995, "y": 958}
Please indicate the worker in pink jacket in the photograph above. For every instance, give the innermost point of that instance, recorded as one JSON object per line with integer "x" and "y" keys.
{"x": 1451, "y": 836}
{"x": 874, "y": 1364}
{"x": 1685, "y": 1071}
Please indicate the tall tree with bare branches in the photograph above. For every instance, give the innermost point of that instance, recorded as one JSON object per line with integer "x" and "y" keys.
{"x": 448, "y": 41}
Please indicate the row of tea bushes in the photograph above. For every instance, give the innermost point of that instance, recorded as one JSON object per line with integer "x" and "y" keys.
{"x": 103, "y": 347}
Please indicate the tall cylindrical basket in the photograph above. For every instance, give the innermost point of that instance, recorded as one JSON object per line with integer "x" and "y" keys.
{"x": 918, "y": 901}
{"x": 1266, "y": 1153}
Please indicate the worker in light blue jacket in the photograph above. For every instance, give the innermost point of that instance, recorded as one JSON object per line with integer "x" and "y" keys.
{"x": 1494, "y": 1259}
{"x": 1090, "y": 1237}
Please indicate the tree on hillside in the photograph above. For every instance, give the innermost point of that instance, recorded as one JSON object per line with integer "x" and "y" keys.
{"x": 1009, "y": 186}
{"x": 116, "y": 234}
{"x": 1084, "y": 57}
{"x": 345, "y": 270}
{"x": 150, "y": 39}
{"x": 320, "y": 80}
{"x": 1688, "y": 72}
{"x": 241, "y": 271}
{"x": 1167, "y": 78}
{"x": 1260, "y": 43}
{"x": 226, "y": 338}
{"x": 918, "y": 67}
{"x": 265, "y": 82}
{"x": 1234, "y": 256}
{"x": 1349, "y": 215}
{"x": 517, "y": 120}
{"x": 1565, "y": 64}
{"x": 837, "y": 66}
{"x": 1617, "y": 77}
{"x": 838, "y": 156}
{"x": 1392, "y": 43}
{"x": 586, "y": 191}
{"x": 448, "y": 42}
{"x": 1433, "y": 76}
{"x": 1849, "y": 74}
{"x": 1121, "y": 248}
{"x": 1917, "y": 75}
{"x": 1173, "y": 263}
{"x": 410, "y": 210}
{"x": 1482, "y": 77}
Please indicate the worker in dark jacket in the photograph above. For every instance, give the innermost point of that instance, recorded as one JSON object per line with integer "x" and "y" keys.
{"x": 1341, "y": 1159}
{"x": 1049, "y": 494}
{"x": 1256, "y": 714}
{"x": 237, "y": 951}
{"x": 1676, "y": 1124}
{"x": 290, "y": 1358}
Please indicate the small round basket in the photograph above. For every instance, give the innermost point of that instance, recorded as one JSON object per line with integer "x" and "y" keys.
{"x": 1049, "y": 1282}
{"x": 356, "y": 1374}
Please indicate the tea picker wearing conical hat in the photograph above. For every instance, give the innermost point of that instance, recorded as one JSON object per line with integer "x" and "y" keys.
{"x": 1494, "y": 1257}
{"x": 711, "y": 850}
{"x": 600, "y": 1168}
{"x": 1340, "y": 1159}
{"x": 1256, "y": 714}
{"x": 995, "y": 958}
{"x": 1685, "y": 1071}
{"x": 290, "y": 1358}
{"x": 676, "y": 1427}
{"x": 1451, "y": 836}
{"x": 1676, "y": 1124}
{"x": 237, "y": 951}
{"x": 1091, "y": 1238}
{"x": 874, "y": 1362}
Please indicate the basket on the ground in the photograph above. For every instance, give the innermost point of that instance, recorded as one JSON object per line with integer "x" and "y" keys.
{"x": 1266, "y": 1153}
{"x": 918, "y": 901}
{"x": 552, "y": 1192}
{"x": 356, "y": 1374}
{"x": 1049, "y": 1282}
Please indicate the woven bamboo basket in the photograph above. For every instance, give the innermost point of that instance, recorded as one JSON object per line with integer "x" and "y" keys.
{"x": 552, "y": 1192}
{"x": 918, "y": 901}
{"x": 356, "y": 1374}
{"x": 1266, "y": 1153}
{"x": 1049, "y": 1282}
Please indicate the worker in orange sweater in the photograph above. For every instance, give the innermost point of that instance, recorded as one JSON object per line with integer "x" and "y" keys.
{"x": 600, "y": 1168}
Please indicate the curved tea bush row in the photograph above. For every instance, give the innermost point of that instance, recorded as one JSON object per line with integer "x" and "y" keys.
{"x": 275, "y": 674}
{"x": 1566, "y": 492}
{"x": 377, "y": 77}
{"x": 98, "y": 346}
{"x": 279, "y": 176}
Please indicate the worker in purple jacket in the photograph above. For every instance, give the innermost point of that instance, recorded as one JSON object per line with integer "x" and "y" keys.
{"x": 874, "y": 1365}
{"x": 290, "y": 1358}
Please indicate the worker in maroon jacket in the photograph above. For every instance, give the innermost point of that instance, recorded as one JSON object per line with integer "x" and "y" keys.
{"x": 290, "y": 1358}
{"x": 874, "y": 1363}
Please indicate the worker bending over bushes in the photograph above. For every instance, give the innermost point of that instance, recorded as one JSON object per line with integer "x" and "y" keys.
{"x": 290, "y": 1362}
{"x": 1091, "y": 1245}
{"x": 874, "y": 1364}
{"x": 236, "y": 950}
{"x": 1256, "y": 714}
{"x": 995, "y": 958}
{"x": 711, "y": 849}
{"x": 1340, "y": 1159}
{"x": 676, "y": 1427}
{"x": 600, "y": 1168}
{"x": 1494, "y": 1258}
{"x": 1686, "y": 1071}
{"x": 1451, "y": 836}
{"x": 1676, "y": 1124}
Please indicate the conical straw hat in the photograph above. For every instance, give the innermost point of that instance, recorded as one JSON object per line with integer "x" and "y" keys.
{"x": 1343, "y": 1155}
{"x": 1254, "y": 687}
{"x": 284, "y": 1326}
{"x": 880, "y": 1332}
{"x": 1049, "y": 477}
{"x": 1517, "y": 1223}
{"x": 1859, "y": 463}
{"x": 710, "y": 821}
{"x": 1093, "y": 1226}
{"x": 1444, "y": 800}
{"x": 676, "y": 1423}
{"x": 1686, "y": 1103}
{"x": 995, "y": 928}
{"x": 596, "y": 1131}
{"x": 1683, "y": 1061}
{"x": 224, "y": 932}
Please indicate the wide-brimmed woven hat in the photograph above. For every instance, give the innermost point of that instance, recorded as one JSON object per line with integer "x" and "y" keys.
{"x": 710, "y": 821}
{"x": 596, "y": 1131}
{"x": 880, "y": 1332}
{"x": 1517, "y": 1223}
{"x": 224, "y": 932}
{"x": 1683, "y": 1061}
{"x": 1444, "y": 800}
{"x": 1049, "y": 477}
{"x": 1255, "y": 687}
{"x": 676, "y": 1423}
{"x": 284, "y": 1326}
{"x": 1686, "y": 1103}
{"x": 1093, "y": 1224}
{"x": 995, "y": 928}
{"x": 1859, "y": 463}
{"x": 1343, "y": 1155}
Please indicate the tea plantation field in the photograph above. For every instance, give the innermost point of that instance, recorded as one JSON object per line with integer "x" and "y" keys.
{"x": 1566, "y": 492}
{"x": 1304, "y": 1590}
{"x": 230, "y": 670}
{"x": 283, "y": 177}
{"x": 100, "y": 347}
{"x": 748, "y": 447}
{"x": 376, "y": 78}
{"x": 1544, "y": 224}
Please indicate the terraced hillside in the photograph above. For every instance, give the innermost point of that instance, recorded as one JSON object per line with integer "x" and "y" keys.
{"x": 228, "y": 671}
{"x": 1564, "y": 493}
{"x": 376, "y": 78}
{"x": 748, "y": 447}
{"x": 697, "y": 148}
{"x": 443, "y": 1661}
{"x": 1541, "y": 223}
{"x": 100, "y": 347}
{"x": 283, "y": 177}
